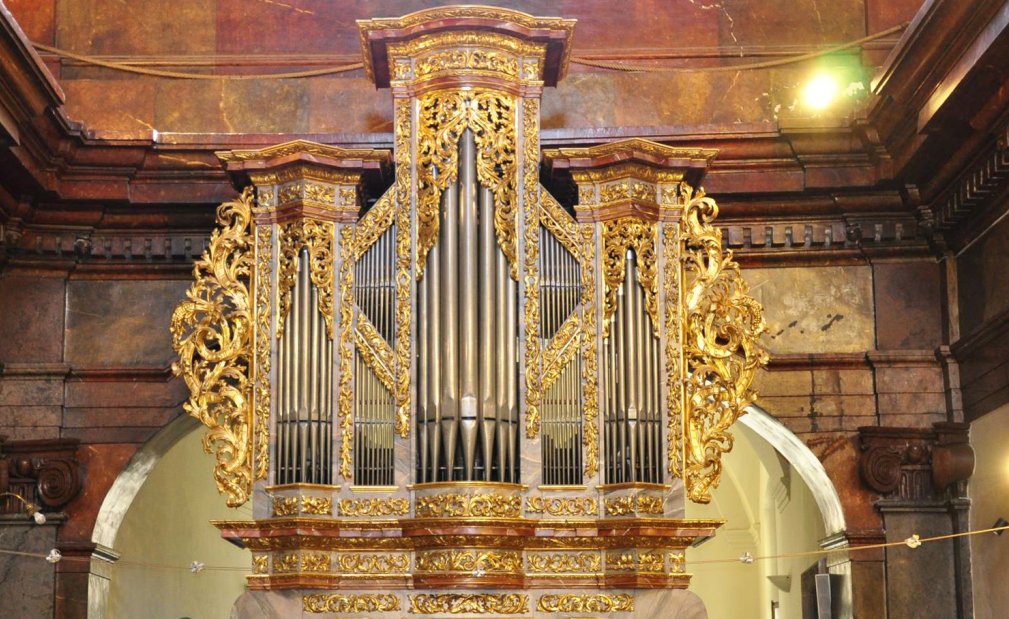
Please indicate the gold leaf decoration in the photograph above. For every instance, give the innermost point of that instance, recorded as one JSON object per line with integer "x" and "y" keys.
{"x": 451, "y": 505}
{"x": 444, "y": 116}
{"x": 531, "y": 258}
{"x": 350, "y": 603}
{"x": 619, "y": 235}
{"x": 212, "y": 334}
{"x": 469, "y": 603}
{"x": 345, "y": 398}
{"x": 559, "y": 563}
{"x": 563, "y": 506}
{"x": 404, "y": 283}
{"x": 720, "y": 348}
{"x": 470, "y": 561}
{"x": 318, "y": 237}
{"x": 585, "y": 603}
{"x": 374, "y": 564}
{"x": 263, "y": 288}
{"x": 590, "y": 367}
{"x": 375, "y": 506}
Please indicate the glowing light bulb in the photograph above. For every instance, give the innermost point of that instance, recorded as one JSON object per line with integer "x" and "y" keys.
{"x": 39, "y": 517}
{"x": 820, "y": 92}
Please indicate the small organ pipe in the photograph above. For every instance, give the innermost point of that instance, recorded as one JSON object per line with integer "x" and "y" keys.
{"x": 434, "y": 359}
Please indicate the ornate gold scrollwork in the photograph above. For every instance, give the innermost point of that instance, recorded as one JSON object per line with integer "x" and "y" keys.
{"x": 374, "y": 565}
{"x": 560, "y": 224}
{"x": 260, "y": 564}
{"x": 469, "y": 603}
{"x": 586, "y": 603}
{"x": 317, "y": 505}
{"x": 634, "y": 504}
{"x": 451, "y": 505}
{"x": 315, "y": 562}
{"x": 318, "y": 237}
{"x": 350, "y": 603}
{"x": 563, "y": 506}
{"x": 470, "y": 561}
{"x": 561, "y": 349}
{"x": 345, "y": 398}
{"x": 263, "y": 289}
{"x": 212, "y": 333}
{"x": 720, "y": 348}
{"x": 285, "y": 506}
{"x": 375, "y": 351}
{"x": 590, "y": 368}
{"x": 531, "y": 258}
{"x": 558, "y": 563}
{"x": 641, "y": 236}
{"x": 374, "y": 224}
{"x": 677, "y": 562}
{"x": 286, "y": 563}
{"x": 375, "y": 506}
{"x": 443, "y": 118}
{"x": 404, "y": 284}
{"x": 672, "y": 291}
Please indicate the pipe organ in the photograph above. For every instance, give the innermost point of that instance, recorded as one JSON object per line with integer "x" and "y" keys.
{"x": 445, "y": 391}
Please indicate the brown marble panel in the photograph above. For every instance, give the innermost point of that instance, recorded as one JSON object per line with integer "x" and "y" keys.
{"x": 26, "y": 584}
{"x": 909, "y": 380}
{"x": 115, "y": 105}
{"x": 778, "y": 383}
{"x": 908, "y": 302}
{"x": 142, "y": 27}
{"x": 14, "y": 392}
{"x": 28, "y": 417}
{"x": 28, "y": 433}
{"x": 36, "y": 17}
{"x": 121, "y": 323}
{"x": 849, "y": 382}
{"x": 911, "y": 404}
{"x": 31, "y": 319}
{"x": 348, "y": 105}
{"x": 103, "y": 464}
{"x": 329, "y": 27}
{"x": 126, "y": 393}
{"x": 120, "y": 434}
{"x": 260, "y": 106}
{"x": 929, "y": 568}
{"x": 117, "y": 416}
{"x": 823, "y": 309}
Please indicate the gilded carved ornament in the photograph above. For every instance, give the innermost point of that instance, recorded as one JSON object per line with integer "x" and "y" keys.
{"x": 404, "y": 249}
{"x": 530, "y": 262}
{"x": 212, "y": 334}
{"x": 619, "y": 235}
{"x": 350, "y": 603}
{"x": 469, "y": 603}
{"x": 720, "y": 352}
{"x": 444, "y": 116}
{"x": 345, "y": 350}
{"x": 585, "y": 603}
{"x": 263, "y": 346}
{"x": 318, "y": 237}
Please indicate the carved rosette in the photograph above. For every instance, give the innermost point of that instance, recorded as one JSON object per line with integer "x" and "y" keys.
{"x": 212, "y": 334}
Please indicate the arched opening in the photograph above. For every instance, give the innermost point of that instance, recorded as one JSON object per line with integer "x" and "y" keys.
{"x": 156, "y": 518}
{"x": 777, "y": 500}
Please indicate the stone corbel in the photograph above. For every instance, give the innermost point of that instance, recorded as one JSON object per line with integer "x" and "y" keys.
{"x": 916, "y": 463}
{"x": 43, "y": 472}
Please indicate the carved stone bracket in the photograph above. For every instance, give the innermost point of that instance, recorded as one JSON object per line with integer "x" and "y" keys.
{"x": 44, "y": 472}
{"x": 916, "y": 464}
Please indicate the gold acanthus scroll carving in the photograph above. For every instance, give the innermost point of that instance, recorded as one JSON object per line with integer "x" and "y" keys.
{"x": 212, "y": 334}
{"x": 586, "y": 603}
{"x": 530, "y": 262}
{"x": 404, "y": 283}
{"x": 350, "y": 603}
{"x": 563, "y": 506}
{"x": 590, "y": 368}
{"x": 263, "y": 289}
{"x": 721, "y": 351}
{"x": 558, "y": 563}
{"x": 619, "y": 235}
{"x": 375, "y": 506}
{"x": 470, "y": 561}
{"x": 345, "y": 397}
{"x": 452, "y": 505}
{"x": 318, "y": 237}
{"x": 444, "y": 116}
{"x": 469, "y": 603}
{"x": 374, "y": 564}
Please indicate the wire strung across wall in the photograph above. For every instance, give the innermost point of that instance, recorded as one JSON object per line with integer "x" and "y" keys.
{"x": 598, "y": 64}
{"x": 913, "y": 542}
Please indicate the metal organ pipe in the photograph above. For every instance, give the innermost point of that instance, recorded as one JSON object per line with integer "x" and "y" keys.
{"x": 467, "y": 316}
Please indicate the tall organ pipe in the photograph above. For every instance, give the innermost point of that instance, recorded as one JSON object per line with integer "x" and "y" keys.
{"x": 449, "y": 318}
{"x": 469, "y": 288}
{"x": 491, "y": 310}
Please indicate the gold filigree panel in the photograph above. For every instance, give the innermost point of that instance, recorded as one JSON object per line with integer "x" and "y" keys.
{"x": 404, "y": 283}
{"x": 350, "y": 603}
{"x": 619, "y": 235}
{"x": 590, "y": 361}
{"x": 585, "y": 603}
{"x": 392, "y": 564}
{"x": 375, "y": 506}
{"x": 720, "y": 349}
{"x": 634, "y": 504}
{"x": 262, "y": 284}
{"x": 444, "y": 116}
{"x": 453, "y": 504}
{"x": 470, "y": 561}
{"x": 561, "y": 563}
{"x": 212, "y": 334}
{"x": 319, "y": 238}
{"x": 469, "y": 603}
{"x": 561, "y": 349}
{"x": 563, "y": 506}
{"x": 530, "y": 262}
{"x": 345, "y": 397}
{"x": 375, "y": 351}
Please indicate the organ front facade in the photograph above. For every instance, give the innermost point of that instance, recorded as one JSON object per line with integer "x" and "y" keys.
{"x": 445, "y": 391}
